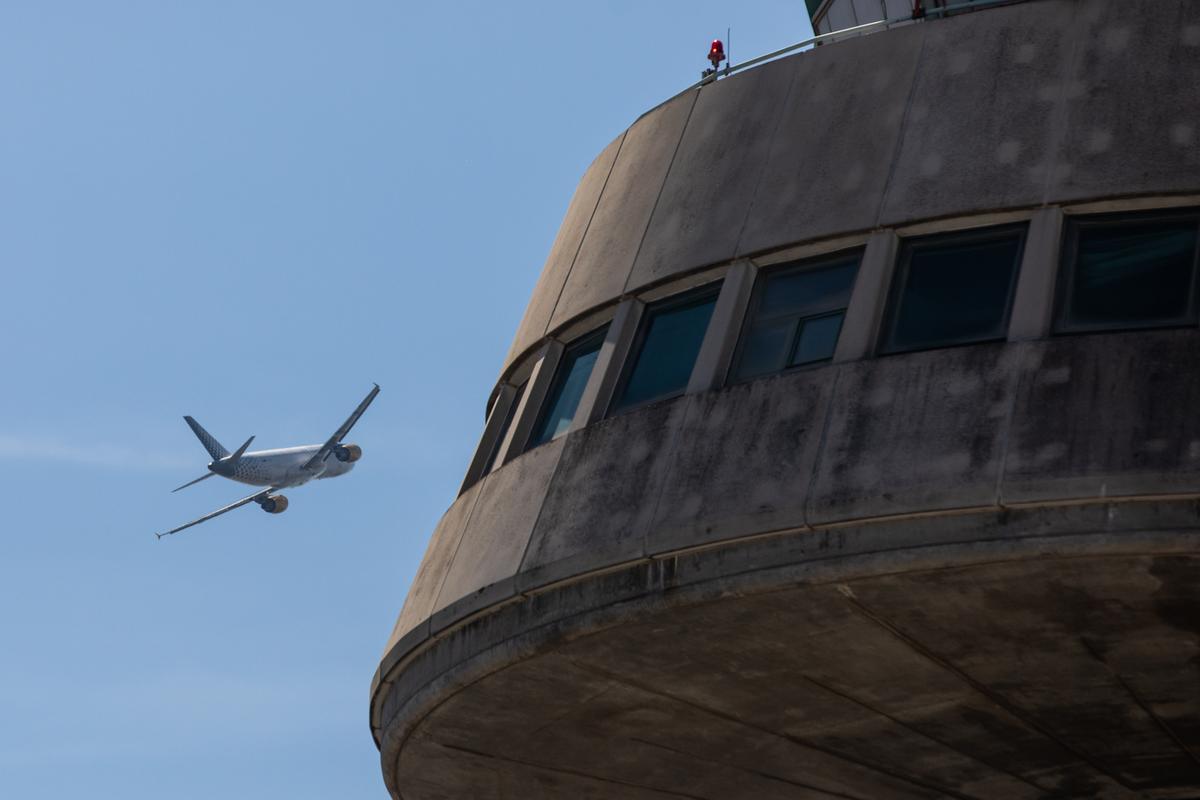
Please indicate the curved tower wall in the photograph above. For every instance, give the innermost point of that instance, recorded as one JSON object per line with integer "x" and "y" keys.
{"x": 1037, "y": 446}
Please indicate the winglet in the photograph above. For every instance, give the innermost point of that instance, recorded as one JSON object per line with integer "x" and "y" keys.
{"x": 341, "y": 432}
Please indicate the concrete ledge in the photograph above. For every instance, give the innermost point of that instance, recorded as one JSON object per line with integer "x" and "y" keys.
{"x": 547, "y": 621}
{"x": 918, "y": 535}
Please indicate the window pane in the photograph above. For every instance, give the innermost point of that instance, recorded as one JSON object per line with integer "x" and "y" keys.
{"x": 669, "y": 348}
{"x": 954, "y": 293}
{"x": 508, "y": 418}
{"x": 788, "y": 325}
{"x": 1129, "y": 274}
{"x": 809, "y": 292}
{"x": 569, "y": 382}
{"x": 818, "y": 338}
{"x": 766, "y": 347}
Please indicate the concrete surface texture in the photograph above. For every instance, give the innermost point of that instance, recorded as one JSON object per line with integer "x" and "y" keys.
{"x": 970, "y": 572}
{"x": 1036, "y": 103}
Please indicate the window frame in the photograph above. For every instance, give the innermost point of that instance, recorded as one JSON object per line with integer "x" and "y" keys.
{"x": 1068, "y": 258}
{"x": 765, "y": 275}
{"x": 694, "y": 296}
{"x": 492, "y": 462}
{"x": 902, "y": 269}
{"x": 581, "y": 342}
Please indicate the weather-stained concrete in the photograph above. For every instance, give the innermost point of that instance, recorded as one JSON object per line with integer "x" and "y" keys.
{"x": 971, "y": 572}
{"x": 1058, "y": 674}
{"x": 1017, "y": 106}
{"x": 630, "y": 195}
{"x": 562, "y": 253}
{"x": 707, "y": 194}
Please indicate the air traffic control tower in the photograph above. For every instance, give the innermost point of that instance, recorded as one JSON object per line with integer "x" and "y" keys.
{"x": 850, "y": 444}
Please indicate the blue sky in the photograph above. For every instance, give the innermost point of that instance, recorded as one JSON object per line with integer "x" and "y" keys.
{"x": 249, "y": 212}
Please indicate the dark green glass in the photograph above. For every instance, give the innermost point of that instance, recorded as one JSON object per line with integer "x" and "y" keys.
{"x": 670, "y": 341}
{"x": 818, "y": 338}
{"x": 809, "y": 292}
{"x": 1133, "y": 274}
{"x": 954, "y": 290}
{"x": 796, "y": 316}
{"x": 573, "y": 372}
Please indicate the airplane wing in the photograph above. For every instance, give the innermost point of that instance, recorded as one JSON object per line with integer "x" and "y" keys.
{"x": 341, "y": 432}
{"x": 252, "y": 498}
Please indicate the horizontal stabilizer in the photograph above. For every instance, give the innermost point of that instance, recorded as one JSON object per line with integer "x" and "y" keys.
{"x": 237, "y": 454}
{"x": 189, "y": 483}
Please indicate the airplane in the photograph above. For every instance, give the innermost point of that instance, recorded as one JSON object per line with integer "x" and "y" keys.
{"x": 282, "y": 468}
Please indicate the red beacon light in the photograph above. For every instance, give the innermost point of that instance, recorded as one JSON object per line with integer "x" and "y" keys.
{"x": 716, "y": 53}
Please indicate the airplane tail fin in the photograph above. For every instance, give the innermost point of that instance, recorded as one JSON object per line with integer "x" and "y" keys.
{"x": 213, "y": 447}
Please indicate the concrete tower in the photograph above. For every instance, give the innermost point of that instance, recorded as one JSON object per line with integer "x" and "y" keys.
{"x": 850, "y": 444}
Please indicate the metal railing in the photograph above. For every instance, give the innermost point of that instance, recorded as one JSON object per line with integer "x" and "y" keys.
{"x": 846, "y": 33}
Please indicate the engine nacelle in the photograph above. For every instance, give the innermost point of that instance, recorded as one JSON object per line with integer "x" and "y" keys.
{"x": 275, "y": 504}
{"x": 347, "y": 453}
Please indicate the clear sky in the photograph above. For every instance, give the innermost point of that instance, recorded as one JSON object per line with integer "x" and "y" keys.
{"x": 248, "y": 212}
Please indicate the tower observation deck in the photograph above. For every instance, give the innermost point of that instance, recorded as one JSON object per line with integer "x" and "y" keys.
{"x": 849, "y": 446}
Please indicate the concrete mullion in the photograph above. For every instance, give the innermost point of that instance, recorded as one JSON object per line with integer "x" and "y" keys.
{"x": 491, "y": 432}
{"x": 860, "y": 328}
{"x": 606, "y": 372}
{"x": 1033, "y": 305}
{"x": 720, "y": 340}
{"x": 531, "y": 403}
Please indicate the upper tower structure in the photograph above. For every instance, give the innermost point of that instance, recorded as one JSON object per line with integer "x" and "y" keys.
{"x": 848, "y": 446}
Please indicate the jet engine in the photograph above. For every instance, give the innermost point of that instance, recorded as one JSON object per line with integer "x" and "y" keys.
{"x": 347, "y": 453}
{"x": 275, "y": 504}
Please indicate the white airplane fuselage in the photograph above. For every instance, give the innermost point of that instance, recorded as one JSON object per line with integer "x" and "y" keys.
{"x": 284, "y": 467}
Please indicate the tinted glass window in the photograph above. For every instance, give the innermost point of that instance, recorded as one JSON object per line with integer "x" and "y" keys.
{"x": 668, "y": 343}
{"x": 953, "y": 289}
{"x": 1129, "y": 273}
{"x": 573, "y": 372}
{"x": 509, "y": 415}
{"x": 818, "y": 337}
{"x": 795, "y": 316}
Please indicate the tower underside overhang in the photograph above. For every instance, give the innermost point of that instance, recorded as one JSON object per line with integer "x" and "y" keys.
{"x": 1048, "y": 652}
